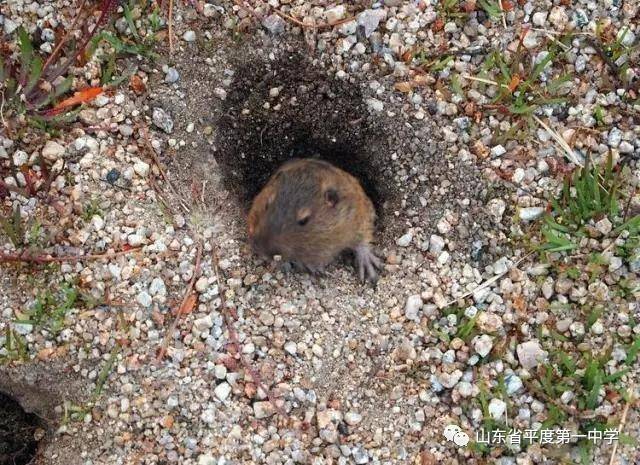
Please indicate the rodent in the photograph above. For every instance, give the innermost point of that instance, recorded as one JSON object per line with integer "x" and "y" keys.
{"x": 308, "y": 212}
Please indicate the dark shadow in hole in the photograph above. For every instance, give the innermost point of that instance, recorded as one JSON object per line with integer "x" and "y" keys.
{"x": 18, "y": 445}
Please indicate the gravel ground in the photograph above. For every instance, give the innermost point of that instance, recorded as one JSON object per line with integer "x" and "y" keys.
{"x": 469, "y": 324}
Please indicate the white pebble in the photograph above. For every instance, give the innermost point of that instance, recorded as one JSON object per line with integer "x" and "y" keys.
{"x": 540, "y": 18}
{"x": 530, "y": 213}
{"x": 498, "y": 150}
{"x": 52, "y": 151}
{"x": 141, "y": 168}
{"x": 201, "y": 284}
{"x": 157, "y": 287}
{"x": 352, "y": 418}
{"x": 412, "y": 307}
{"x": 144, "y": 299}
{"x": 375, "y": 104}
{"x": 20, "y": 158}
{"x": 222, "y": 391}
{"x": 530, "y": 354}
{"x": 497, "y": 407}
{"x": 97, "y": 222}
{"x": 482, "y": 344}
{"x": 405, "y": 240}
{"x": 291, "y": 347}
{"x": 262, "y": 409}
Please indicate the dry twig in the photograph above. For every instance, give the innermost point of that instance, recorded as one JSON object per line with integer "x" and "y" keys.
{"x": 170, "y": 20}
{"x": 152, "y": 153}
{"x": 561, "y": 142}
{"x": 187, "y": 295}
{"x": 623, "y": 420}
{"x": 26, "y": 257}
{"x": 489, "y": 281}
{"x": 65, "y": 39}
{"x": 504, "y": 18}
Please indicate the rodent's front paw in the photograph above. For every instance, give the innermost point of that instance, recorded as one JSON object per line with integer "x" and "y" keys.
{"x": 367, "y": 263}
{"x": 316, "y": 270}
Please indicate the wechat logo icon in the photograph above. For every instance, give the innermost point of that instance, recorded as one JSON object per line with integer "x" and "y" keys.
{"x": 454, "y": 433}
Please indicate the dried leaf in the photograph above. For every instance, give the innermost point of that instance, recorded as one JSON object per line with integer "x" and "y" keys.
{"x": 250, "y": 390}
{"x": 123, "y": 342}
{"x": 519, "y": 303}
{"x": 427, "y": 458}
{"x": 469, "y": 6}
{"x": 189, "y": 304}
{"x": 515, "y": 81}
{"x": 167, "y": 421}
{"x": 481, "y": 150}
{"x": 82, "y": 96}
{"x": 470, "y": 108}
{"x": 423, "y": 80}
{"x": 137, "y": 84}
{"x": 161, "y": 35}
{"x": 507, "y": 5}
{"x": 404, "y": 86}
{"x": 46, "y": 353}
{"x": 613, "y": 396}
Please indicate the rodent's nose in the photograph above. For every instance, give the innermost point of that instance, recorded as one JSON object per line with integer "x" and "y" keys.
{"x": 262, "y": 246}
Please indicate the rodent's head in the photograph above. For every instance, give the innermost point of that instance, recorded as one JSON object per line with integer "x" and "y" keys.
{"x": 297, "y": 213}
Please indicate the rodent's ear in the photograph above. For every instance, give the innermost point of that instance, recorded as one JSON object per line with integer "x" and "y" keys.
{"x": 331, "y": 196}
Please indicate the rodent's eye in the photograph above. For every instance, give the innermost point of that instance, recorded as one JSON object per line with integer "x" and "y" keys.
{"x": 303, "y": 221}
{"x": 303, "y": 216}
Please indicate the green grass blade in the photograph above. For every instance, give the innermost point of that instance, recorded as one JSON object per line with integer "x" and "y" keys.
{"x": 492, "y": 9}
{"x": 34, "y": 74}
{"x": 539, "y": 68}
{"x": 558, "y": 82}
{"x": 26, "y": 53}
{"x": 616, "y": 376}
{"x": 632, "y": 225}
{"x": 128, "y": 17}
{"x": 632, "y": 353}
{"x": 4, "y": 73}
{"x": 441, "y": 64}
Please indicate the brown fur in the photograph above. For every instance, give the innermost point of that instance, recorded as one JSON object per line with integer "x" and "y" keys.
{"x": 309, "y": 212}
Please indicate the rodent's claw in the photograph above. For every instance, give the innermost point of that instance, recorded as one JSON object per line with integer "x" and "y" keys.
{"x": 316, "y": 270}
{"x": 297, "y": 266}
{"x": 367, "y": 263}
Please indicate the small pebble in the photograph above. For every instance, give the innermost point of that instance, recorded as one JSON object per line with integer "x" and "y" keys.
{"x": 222, "y": 391}
{"x": 497, "y": 408}
{"x": 404, "y": 240}
{"x": 144, "y": 299}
